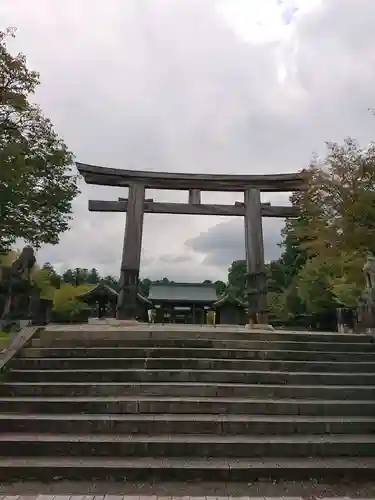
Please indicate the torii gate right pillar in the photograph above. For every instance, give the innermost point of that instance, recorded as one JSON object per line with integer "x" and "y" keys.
{"x": 256, "y": 286}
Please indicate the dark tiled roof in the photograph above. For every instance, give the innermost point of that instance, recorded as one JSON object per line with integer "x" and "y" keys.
{"x": 229, "y": 299}
{"x": 99, "y": 290}
{"x": 102, "y": 289}
{"x": 183, "y": 292}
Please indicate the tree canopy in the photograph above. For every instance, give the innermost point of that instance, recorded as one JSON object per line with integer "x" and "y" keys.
{"x": 324, "y": 248}
{"x": 37, "y": 185}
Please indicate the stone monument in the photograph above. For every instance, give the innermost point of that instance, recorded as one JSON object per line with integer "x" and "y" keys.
{"x": 20, "y": 299}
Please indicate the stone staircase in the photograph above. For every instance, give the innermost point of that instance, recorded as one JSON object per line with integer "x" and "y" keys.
{"x": 180, "y": 404}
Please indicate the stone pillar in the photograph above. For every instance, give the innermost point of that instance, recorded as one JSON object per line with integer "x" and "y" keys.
{"x": 131, "y": 254}
{"x": 255, "y": 257}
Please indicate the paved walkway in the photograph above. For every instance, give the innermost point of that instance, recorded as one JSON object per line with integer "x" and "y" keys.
{"x": 259, "y": 490}
{"x": 92, "y": 327}
{"x": 55, "y": 327}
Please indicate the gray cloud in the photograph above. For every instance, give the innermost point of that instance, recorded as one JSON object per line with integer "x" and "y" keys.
{"x": 175, "y": 259}
{"x": 167, "y": 85}
{"x": 224, "y": 243}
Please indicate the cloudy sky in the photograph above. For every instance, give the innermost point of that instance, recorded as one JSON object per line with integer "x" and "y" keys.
{"x": 226, "y": 86}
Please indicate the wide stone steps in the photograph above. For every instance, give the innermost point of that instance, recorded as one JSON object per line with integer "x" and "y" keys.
{"x": 160, "y": 333}
{"x": 183, "y": 404}
{"x": 173, "y": 363}
{"x": 226, "y": 424}
{"x": 183, "y": 469}
{"x": 199, "y": 376}
{"x": 99, "y": 353}
{"x": 188, "y": 389}
{"x": 182, "y": 445}
{"x": 199, "y": 342}
{"x": 188, "y": 403}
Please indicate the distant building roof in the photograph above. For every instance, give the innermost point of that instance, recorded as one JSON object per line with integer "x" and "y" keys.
{"x": 183, "y": 292}
{"x": 228, "y": 298}
{"x": 99, "y": 290}
{"x": 104, "y": 290}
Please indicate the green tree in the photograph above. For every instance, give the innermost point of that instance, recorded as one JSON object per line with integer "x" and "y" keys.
{"x": 293, "y": 256}
{"x": 339, "y": 205}
{"x": 237, "y": 279}
{"x": 276, "y": 277}
{"x": 336, "y": 226}
{"x": 144, "y": 286}
{"x": 327, "y": 283}
{"x": 65, "y": 302}
{"x": 347, "y": 282}
{"x": 37, "y": 185}
{"x": 282, "y": 274}
{"x": 220, "y": 287}
{"x": 93, "y": 276}
{"x": 42, "y": 278}
{"x": 277, "y": 306}
{"x": 81, "y": 275}
{"x": 54, "y": 277}
{"x": 345, "y": 292}
{"x": 314, "y": 285}
{"x": 69, "y": 276}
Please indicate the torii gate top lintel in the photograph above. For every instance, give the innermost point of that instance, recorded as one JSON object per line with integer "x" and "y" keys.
{"x": 105, "y": 176}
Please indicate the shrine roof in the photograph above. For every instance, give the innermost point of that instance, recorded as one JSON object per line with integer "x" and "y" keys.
{"x": 103, "y": 290}
{"x": 228, "y": 298}
{"x": 183, "y": 292}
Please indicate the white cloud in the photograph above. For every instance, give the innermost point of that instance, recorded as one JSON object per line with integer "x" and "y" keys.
{"x": 170, "y": 85}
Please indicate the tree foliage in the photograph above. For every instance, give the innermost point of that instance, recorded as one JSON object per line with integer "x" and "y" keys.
{"x": 339, "y": 206}
{"x": 237, "y": 279}
{"x": 324, "y": 248}
{"x": 65, "y": 302}
{"x": 36, "y": 183}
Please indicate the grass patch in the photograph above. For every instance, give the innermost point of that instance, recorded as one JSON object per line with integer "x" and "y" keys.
{"x": 3, "y": 335}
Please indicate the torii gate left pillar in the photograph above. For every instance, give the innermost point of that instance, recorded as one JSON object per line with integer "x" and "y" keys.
{"x": 131, "y": 254}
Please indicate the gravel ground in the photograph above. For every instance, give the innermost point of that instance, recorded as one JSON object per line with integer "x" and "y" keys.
{"x": 305, "y": 489}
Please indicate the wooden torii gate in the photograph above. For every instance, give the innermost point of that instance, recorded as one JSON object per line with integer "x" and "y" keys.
{"x": 136, "y": 205}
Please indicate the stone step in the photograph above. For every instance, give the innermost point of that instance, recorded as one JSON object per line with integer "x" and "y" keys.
{"x": 202, "y": 376}
{"x": 163, "y": 404}
{"x": 106, "y": 363}
{"x": 161, "y": 332}
{"x": 186, "y": 424}
{"x": 186, "y": 389}
{"x": 181, "y": 352}
{"x": 191, "y": 445}
{"x": 184, "y": 469}
{"x": 199, "y": 342}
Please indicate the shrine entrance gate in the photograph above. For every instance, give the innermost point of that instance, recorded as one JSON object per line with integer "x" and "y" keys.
{"x": 136, "y": 205}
